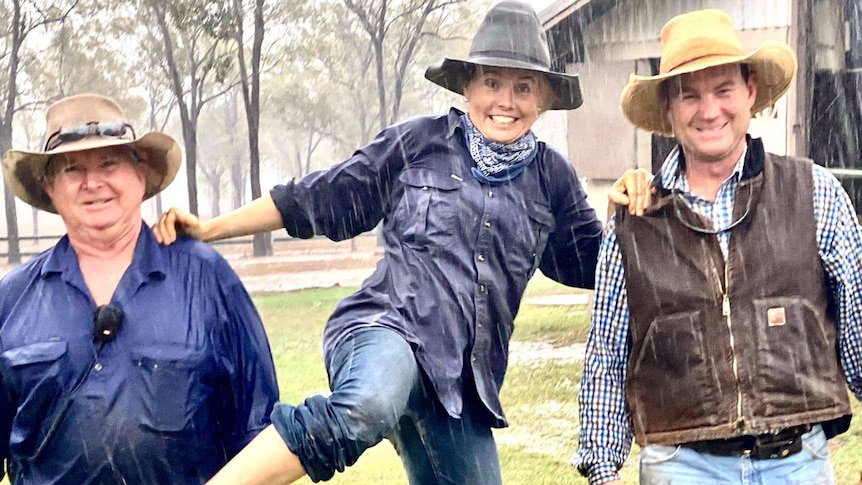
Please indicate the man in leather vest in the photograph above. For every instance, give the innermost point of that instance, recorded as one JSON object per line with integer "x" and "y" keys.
{"x": 726, "y": 327}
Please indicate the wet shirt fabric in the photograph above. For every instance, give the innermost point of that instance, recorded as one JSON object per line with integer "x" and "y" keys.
{"x": 457, "y": 253}
{"x": 186, "y": 383}
{"x": 607, "y": 432}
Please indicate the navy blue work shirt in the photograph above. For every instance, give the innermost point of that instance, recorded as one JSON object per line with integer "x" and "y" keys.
{"x": 186, "y": 383}
{"x": 458, "y": 253}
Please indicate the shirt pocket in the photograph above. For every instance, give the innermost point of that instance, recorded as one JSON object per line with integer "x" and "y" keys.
{"x": 39, "y": 375}
{"x": 169, "y": 386}
{"x": 533, "y": 224}
{"x": 427, "y": 213}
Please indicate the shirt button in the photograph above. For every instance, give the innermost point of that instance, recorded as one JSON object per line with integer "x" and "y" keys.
{"x": 98, "y": 367}
{"x": 490, "y": 193}
{"x": 482, "y": 288}
{"x": 487, "y": 223}
{"x": 425, "y": 188}
{"x": 481, "y": 258}
{"x": 473, "y": 359}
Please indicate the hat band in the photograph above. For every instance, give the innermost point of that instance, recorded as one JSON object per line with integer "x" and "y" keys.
{"x": 92, "y": 128}
{"x": 730, "y": 52}
{"x": 514, "y": 56}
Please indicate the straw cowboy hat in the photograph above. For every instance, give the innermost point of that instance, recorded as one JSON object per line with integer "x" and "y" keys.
{"x": 511, "y": 35}
{"x": 699, "y": 40}
{"x": 83, "y": 122}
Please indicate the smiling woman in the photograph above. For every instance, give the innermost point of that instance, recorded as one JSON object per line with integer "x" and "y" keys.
{"x": 503, "y": 103}
{"x": 471, "y": 205}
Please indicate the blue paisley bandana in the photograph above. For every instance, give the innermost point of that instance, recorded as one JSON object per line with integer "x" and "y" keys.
{"x": 498, "y": 163}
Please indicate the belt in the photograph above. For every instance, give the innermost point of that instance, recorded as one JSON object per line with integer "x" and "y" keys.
{"x": 780, "y": 444}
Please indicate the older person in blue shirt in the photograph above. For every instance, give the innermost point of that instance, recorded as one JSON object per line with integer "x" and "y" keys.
{"x": 472, "y": 204}
{"x": 121, "y": 360}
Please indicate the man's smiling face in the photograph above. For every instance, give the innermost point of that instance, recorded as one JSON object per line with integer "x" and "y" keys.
{"x": 710, "y": 111}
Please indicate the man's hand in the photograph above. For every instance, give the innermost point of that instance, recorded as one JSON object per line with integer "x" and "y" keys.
{"x": 632, "y": 189}
{"x": 177, "y": 222}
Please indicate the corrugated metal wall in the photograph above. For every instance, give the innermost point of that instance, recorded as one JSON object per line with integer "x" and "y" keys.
{"x": 602, "y": 144}
{"x": 642, "y": 20}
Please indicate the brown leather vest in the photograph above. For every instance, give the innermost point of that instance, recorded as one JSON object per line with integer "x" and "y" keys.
{"x": 743, "y": 346}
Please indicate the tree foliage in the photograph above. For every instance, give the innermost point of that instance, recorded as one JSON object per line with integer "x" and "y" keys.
{"x": 303, "y": 82}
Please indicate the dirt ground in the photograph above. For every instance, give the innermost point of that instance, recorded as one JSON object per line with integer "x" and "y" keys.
{"x": 298, "y": 255}
{"x": 296, "y": 264}
{"x": 302, "y": 264}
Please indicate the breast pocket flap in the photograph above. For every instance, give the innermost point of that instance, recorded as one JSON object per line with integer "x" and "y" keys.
{"x": 35, "y": 353}
{"x": 432, "y": 179}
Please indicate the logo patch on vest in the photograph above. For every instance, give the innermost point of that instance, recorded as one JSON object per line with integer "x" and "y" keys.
{"x": 775, "y": 317}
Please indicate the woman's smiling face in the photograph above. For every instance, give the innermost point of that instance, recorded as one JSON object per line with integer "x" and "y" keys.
{"x": 503, "y": 103}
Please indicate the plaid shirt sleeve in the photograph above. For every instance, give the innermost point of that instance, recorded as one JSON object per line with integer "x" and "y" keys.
{"x": 840, "y": 243}
{"x": 606, "y": 433}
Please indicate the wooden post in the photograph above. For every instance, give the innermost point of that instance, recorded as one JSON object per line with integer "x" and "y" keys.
{"x": 799, "y": 104}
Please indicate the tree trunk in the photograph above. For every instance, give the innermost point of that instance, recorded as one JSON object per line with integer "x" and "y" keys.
{"x": 190, "y": 140}
{"x": 231, "y": 122}
{"x": 35, "y": 226}
{"x": 262, "y": 243}
{"x": 159, "y": 208}
{"x": 13, "y": 245}
{"x": 215, "y": 188}
{"x": 188, "y": 117}
{"x": 238, "y": 182}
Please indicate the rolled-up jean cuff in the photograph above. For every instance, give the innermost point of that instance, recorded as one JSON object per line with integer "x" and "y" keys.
{"x": 283, "y": 418}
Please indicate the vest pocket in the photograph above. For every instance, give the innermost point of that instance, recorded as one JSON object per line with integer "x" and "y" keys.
{"x": 796, "y": 361}
{"x": 671, "y": 380}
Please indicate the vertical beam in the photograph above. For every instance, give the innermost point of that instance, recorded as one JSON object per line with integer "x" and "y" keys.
{"x": 799, "y": 102}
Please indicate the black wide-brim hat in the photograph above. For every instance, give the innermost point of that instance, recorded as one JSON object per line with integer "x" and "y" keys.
{"x": 511, "y": 36}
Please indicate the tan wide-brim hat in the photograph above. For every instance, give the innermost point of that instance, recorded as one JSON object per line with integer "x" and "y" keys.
{"x": 84, "y": 122}
{"x": 698, "y": 40}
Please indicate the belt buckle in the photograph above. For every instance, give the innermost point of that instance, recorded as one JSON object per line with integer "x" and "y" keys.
{"x": 776, "y": 449}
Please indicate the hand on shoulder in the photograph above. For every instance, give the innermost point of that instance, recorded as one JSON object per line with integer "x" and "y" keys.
{"x": 177, "y": 223}
{"x": 632, "y": 189}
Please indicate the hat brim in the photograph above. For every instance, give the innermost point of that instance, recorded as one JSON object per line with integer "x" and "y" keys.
{"x": 452, "y": 74}
{"x": 24, "y": 170}
{"x": 774, "y": 62}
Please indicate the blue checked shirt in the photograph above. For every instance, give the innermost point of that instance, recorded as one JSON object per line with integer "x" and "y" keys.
{"x": 607, "y": 431}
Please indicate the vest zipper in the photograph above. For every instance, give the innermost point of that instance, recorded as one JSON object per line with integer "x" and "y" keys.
{"x": 725, "y": 312}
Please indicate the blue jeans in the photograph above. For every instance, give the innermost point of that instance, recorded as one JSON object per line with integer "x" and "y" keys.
{"x": 678, "y": 465}
{"x": 378, "y": 391}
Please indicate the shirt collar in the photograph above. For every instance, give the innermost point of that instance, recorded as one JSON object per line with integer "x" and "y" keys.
{"x": 149, "y": 258}
{"x": 455, "y": 121}
{"x": 673, "y": 177}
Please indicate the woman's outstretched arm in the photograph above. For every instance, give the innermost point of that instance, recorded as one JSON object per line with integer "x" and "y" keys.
{"x": 260, "y": 215}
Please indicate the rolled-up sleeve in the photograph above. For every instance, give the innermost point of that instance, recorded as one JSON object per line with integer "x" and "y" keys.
{"x": 351, "y": 197}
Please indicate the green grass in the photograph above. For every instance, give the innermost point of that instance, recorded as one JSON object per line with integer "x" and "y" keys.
{"x": 540, "y": 397}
